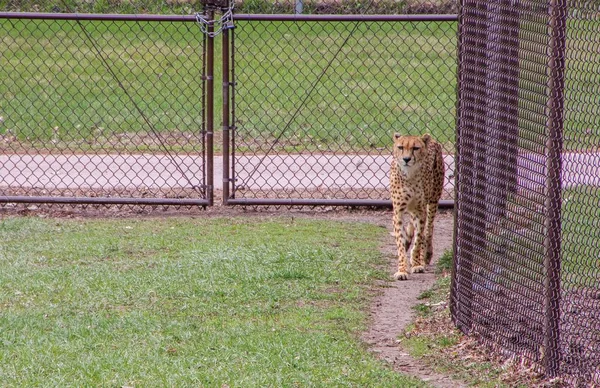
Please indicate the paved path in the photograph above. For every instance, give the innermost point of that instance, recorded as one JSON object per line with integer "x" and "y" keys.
{"x": 157, "y": 171}
{"x": 253, "y": 172}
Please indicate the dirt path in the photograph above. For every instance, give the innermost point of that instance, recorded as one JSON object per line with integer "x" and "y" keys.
{"x": 392, "y": 311}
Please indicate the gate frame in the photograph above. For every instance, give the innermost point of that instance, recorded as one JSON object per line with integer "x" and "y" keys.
{"x": 229, "y": 107}
{"x": 206, "y": 128}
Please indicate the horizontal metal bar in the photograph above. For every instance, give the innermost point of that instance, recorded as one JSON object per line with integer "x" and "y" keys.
{"x": 98, "y": 16}
{"x": 104, "y": 201}
{"x": 346, "y": 18}
{"x": 241, "y": 17}
{"x": 444, "y": 204}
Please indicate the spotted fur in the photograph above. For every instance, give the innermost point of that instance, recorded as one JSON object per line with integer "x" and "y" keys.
{"x": 416, "y": 183}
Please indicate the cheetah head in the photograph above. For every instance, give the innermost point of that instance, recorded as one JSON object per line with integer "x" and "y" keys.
{"x": 409, "y": 152}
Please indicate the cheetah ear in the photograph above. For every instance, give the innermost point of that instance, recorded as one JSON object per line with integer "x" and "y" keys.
{"x": 397, "y": 136}
{"x": 426, "y": 138}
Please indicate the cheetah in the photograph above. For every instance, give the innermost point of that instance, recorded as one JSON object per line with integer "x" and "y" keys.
{"x": 416, "y": 183}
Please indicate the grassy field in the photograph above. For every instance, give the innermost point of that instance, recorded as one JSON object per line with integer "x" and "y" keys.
{"x": 241, "y": 6}
{"x": 300, "y": 86}
{"x": 582, "y": 83}
{"x": 340, "y": 85}
{"x": 57, "y": 91}
{"x": 187, "y": 302}
{"x": 581, "y": 234}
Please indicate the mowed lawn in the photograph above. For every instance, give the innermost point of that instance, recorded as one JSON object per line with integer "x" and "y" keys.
{"x": 580, "y": 236}
{"x": 188, "y": 302}
{"x": 333, "y": 85}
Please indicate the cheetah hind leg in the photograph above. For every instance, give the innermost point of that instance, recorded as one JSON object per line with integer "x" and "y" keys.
{"x": 431, "y": 211}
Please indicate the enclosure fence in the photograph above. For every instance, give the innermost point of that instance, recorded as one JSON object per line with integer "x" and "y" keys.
{"x": 527, "y": 269}
{"x": 317, "y": 100}
{"x": 102, "y": 109}
{"x": 174, "y": 110}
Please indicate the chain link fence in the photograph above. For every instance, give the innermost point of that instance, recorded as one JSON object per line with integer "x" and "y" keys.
{"x": 317, "y": 100}
{"x": 120, "y": 108}
{"x": 102, "y": 109}
{"x": 527, "y": 269}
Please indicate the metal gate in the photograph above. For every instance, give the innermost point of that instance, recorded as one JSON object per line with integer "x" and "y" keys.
{"x": 315, "y": 100}
{"x": 120, "y": 109}
{"x": 104, "y": 109}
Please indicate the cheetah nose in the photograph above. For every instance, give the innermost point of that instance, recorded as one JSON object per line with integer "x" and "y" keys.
{"x": 406, "y": 159}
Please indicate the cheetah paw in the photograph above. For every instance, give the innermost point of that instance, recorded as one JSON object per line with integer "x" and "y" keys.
{"x": 401, "y": 276}
{"x": 418, "y": 269}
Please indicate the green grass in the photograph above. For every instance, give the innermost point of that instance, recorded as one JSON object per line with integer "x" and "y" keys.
{"x": 57, "y": 92}
{"x": 187, "y": 302}
{"x": 582, "y": 77}
{"x": 580, "y": 236}
{"x": 304, "y": 85}
{"x": 102, "y": 6}
{"x": 521, "y": 239}
{"x": 369, "y": 79}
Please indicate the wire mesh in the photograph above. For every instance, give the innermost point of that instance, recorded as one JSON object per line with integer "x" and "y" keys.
{"x": 528, "y": 196}
{"x": 316, "y": 103}
{"x": 101, "y": 109}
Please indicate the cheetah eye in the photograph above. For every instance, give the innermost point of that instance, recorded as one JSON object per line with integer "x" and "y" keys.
{"x": 400, "y": 147}
{"x": 416, "y": 148}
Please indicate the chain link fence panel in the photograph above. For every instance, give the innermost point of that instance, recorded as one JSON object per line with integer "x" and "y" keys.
{"x": 527, "y": 267}
{"x": 317, "y": 100}
{"x": 102, "y": 109}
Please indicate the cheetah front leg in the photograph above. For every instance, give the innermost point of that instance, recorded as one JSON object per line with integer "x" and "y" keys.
{"x": 408, "y": 232}
{"x": 417, "y": 257}
{"x": 402, "y": 273}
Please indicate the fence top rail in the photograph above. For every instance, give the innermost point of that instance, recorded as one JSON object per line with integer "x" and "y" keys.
{"x": 244, "y": 17}
{"x": 346, "y": 18}
{"x": 98, "y": 16}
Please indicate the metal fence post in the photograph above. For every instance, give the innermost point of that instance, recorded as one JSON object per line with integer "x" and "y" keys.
{"x": 226, "y": 121}
{"x": 210, "y": 92}
{"x": 470, "y": 167}
{"x": 502, "y": 98}
{"x": 552, "y": 260}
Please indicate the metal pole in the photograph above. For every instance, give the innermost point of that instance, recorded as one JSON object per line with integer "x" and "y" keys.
{"x": 226, "y": 86}
{"x": 551, "y": 350}
{"x": 103, "y": 200}
{"x": 444, "y": 204}
{"x": 470, "y": 164}
{"x": 232, "y": 133}
{"x": 346, "y": 18}
{"x": 242, "y": 17}
{"x": 210, "y": 92}
{"x": 457, "y": 286}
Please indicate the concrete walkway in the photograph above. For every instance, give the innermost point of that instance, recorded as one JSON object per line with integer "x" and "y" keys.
{"x": 160, "y": 171}
{"x": 254, "y": 172}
